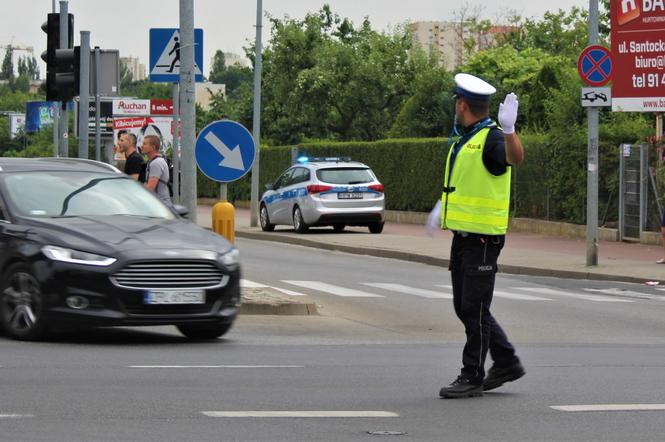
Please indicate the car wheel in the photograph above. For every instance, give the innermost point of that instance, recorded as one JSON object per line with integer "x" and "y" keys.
{"x": 22, "y": 304}
{"x": 204, "y": 331}
{"x": 299, "y": 224}
{"x": 375, "y": 227}
{"x": 339, "y": 227}
{"x": 265, "y": 220}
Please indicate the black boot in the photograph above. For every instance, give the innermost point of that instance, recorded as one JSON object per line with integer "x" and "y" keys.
{"x": 460, "y": 388}
{"x": 497, "y": 376}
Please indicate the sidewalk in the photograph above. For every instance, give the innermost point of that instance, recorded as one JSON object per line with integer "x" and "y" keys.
{"x": 524, "y": 253}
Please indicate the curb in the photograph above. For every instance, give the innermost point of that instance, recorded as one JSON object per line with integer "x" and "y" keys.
{"x": 257, "y": 308}
{"x": 441, "y": 262}
{"x": 267, "y": 301}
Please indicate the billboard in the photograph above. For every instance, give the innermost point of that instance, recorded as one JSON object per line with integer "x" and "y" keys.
{"x": 39, "y": 114}
{"x": 16, "y": 124}
{"x": 638, "y": 49}
{"x": 144, "y": 117}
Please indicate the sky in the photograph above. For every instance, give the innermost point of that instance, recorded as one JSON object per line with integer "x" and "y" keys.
{"x": 230, "y": 25}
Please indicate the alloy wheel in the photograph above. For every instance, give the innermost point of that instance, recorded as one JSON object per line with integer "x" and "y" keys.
{"x": 21, "y": 304}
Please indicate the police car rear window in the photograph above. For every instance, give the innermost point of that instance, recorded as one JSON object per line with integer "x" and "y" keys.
{"x": 345, "y": 175}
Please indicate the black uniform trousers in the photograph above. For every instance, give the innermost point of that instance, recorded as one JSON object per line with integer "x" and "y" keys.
{"x": 473, "y": 265}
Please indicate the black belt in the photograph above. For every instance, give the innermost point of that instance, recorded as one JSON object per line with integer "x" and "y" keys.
{"x": 475, "y": 235}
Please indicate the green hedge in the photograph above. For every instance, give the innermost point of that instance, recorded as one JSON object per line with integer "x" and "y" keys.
{"x": 550, "y": 184}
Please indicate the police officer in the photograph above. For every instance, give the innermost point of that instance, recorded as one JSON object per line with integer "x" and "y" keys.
{"x": 474, "y": 205}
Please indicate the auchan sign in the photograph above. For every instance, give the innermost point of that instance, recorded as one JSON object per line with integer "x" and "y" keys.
{"x": 131, "y": 107}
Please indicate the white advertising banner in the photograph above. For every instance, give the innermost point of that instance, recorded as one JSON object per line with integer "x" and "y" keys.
{"x": 142, "y": 126}
{"x": 131, "y": 107}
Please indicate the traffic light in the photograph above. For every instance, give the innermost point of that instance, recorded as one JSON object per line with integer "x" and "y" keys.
{"x": 59, "y": 62}
{"x": 67, "y": 72}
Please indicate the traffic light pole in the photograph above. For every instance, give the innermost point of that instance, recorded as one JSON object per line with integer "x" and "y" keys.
{"x": 84, "y": 95}
{"x": 64, "y": 114}
{"x": 98, "y": 111}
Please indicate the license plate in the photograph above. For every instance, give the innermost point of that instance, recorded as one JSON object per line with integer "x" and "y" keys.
{"x": 154, "y": 297}
{"x": 350, "y": 195}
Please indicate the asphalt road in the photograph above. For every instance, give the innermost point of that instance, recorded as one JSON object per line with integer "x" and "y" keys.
{"x": 374, "y": 360}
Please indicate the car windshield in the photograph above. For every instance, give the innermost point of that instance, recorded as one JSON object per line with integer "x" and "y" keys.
{"x": 346, "y": 175}
{"x": 58, "y": 194}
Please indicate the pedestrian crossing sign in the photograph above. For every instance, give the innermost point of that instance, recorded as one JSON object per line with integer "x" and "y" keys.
{"x": 165, "y": 51}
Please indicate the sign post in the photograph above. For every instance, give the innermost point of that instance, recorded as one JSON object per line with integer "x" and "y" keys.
{"x": 595, "y": 66}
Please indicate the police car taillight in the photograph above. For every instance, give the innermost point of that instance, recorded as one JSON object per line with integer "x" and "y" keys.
{"x": 317, "y": 188}
{"x": 377, "y": 187}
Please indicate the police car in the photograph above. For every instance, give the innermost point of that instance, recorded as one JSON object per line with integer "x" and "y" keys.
{"x": 329, "y": 191}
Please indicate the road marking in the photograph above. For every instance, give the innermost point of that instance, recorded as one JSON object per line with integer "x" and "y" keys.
{"x": 289, "y": 292}
{"x": 333, "y": 289}
{"x": 622, "y": 292}
{"x": 246, "y": 283}
{"x": 216, "y": 366}
{"x": 409, "y": 290}
{"x": 610, "y": 407}
{"x": 16, "y": 416}
{"x": 595, "y": 298}
{"x": 509, "y": 295}
{"x": 299, "y": 414}
{"x": 517, "y": 296}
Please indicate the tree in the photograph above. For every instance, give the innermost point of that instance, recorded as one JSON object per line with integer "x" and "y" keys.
{"x": 7, "y": 69}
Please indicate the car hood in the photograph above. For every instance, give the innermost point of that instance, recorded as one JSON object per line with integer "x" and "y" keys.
{"x": 108, "y": 234}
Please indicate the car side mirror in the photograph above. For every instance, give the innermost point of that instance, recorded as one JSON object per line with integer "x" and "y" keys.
{"x": 179, "y": 210}
{"x": 270, "y": 186}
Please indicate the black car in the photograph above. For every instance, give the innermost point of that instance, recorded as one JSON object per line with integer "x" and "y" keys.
{"x": 83, "y": 244}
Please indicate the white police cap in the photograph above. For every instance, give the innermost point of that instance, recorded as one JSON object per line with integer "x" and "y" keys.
{"x": 473, "y": 88}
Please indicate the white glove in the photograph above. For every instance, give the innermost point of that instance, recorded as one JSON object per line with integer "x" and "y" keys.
{"x": 434, "y": 219}
{"x": 508, "y": 113}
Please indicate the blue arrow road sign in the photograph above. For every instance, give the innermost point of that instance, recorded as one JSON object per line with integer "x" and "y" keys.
{"x": 165, "y": 55}
{"x": 224, "y": 151}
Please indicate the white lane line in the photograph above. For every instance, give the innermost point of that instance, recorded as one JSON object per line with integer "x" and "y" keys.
{"x": 621, "y": 292}
{"x": 289, "y": 292}
{"x": 595, "y": 298}
{"x": 246, "y": 283}
{"x": 409, "y": 290}
{"x": 509, "y": 295}
{"x": 15, "y": 416}
{"x": 517, "y": 296}
{"x": 610, "y": 407}
{"x": 300, "y": 414}
{"x": 216, "y": 366}
{"x": 333, "y": 289}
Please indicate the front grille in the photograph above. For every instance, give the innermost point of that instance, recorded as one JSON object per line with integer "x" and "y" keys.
{"x": 169, "y": 275}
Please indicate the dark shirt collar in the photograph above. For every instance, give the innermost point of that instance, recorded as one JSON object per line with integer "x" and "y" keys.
{"x": 471, "y": 127}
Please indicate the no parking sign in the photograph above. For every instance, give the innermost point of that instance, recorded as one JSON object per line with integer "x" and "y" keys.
{"x": 595, "y": 65}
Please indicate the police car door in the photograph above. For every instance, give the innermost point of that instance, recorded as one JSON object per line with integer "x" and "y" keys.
{"x": 278, "y": 210}
{"x": 297, "y": 190}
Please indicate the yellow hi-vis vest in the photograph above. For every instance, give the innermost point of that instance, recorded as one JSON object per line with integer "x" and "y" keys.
{"x": 474, "y": 200}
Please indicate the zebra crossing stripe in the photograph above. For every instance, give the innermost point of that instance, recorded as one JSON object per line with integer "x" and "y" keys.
{"x": 595, "y": 298}
{"x": 410, "y": 290}
{"x": 247, "y": 284}
{"x": 333, "y": 289}
{"x": 289, "y": 292}
{"x": 508, "y": 295}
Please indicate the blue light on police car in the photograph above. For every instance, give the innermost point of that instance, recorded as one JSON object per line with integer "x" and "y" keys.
{"x": 302, "y": 159}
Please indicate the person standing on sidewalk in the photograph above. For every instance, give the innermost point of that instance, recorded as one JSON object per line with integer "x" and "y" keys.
{"x": 157, "y": 171}
{"x": 662, "y": 232}
{"x": 133, "y": 159}
{"x": 474, "y": 205}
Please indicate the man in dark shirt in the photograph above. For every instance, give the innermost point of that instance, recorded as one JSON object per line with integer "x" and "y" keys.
{"x": 134, "y": 161}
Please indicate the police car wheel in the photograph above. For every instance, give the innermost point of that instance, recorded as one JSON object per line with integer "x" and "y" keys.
{"x": 299, "y": 224}
{"x": 375, "y": 228}
{"x": 265, "y": 220}
{"x": 339, "y": 227}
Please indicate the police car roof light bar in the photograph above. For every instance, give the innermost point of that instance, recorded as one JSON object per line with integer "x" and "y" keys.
{"x": 323, "y": 159}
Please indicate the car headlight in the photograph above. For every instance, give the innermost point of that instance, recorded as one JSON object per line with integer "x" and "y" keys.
{"x": 230, "y": 258}
{"x": 76, "y": 257}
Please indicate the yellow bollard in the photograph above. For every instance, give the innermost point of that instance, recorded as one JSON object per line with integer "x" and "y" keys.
{"x": 223, "y": 220}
